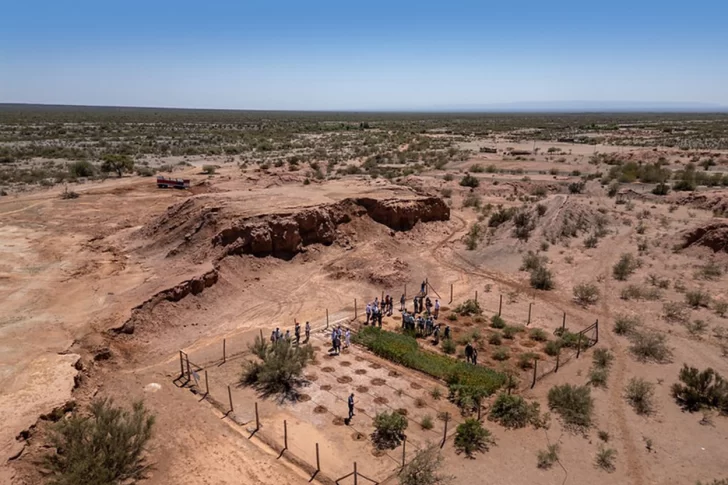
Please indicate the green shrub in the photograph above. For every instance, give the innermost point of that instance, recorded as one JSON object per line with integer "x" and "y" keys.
{"x": 598, "y": 377}
{"x": 104, "y": 447}
{"x": 532, "y": 261}
{"x": 436, "y": 393}
{"x": 542, "y": 279}
{"x": 538, "y": 334}
{"x": 497, "y": 322}
{"x": 553, "y": 348}
{"x": 209, "y": 169}
{"x": 547, "y": 458}
{"x": 501, "y": 355}
{"x": 710, "y": 271}
{"x": 591, "y": 241}
{"x": 468, "y": 308}
{"x": 427, "y": 422}
{"x": 626, "y": 265}
{"x": 602, "y": 358}
{"x": 469, "y": 181}
{"x": 500, "y": 216}
{"x": 424, "y": 468}
{"x": 586, "y": 293}
{"x": 280, "y": 372}
{"x": 389, "y": 430}
{"x": 573, "y": 403}
{"x": 452, "y": 317}
{"x": 525, "y": 360}
{"x": 495, "y": 339}
{"x": 510, "y": 332}
{"x": 720, "y": 307}
{"x": 697, "y": 298}
{"x": 638, "y": 292}
{"x": 472, "y": 200}
{"x": 626, "y": 324}
{"x": 701, "y": 389}
{"x": 82, "y": 168}
{"x": 448, "y": 346}
{"x": 639, "y": 394}
{"x": 605, "y": 459}
{"x": 674, "y": 311}
{"x": 512, "y": 411}
{"x": 652, "y": 346}
{"x": 472, "y": 437}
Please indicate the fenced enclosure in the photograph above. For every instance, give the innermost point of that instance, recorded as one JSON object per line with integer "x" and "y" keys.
{"x": 313, "y": 431}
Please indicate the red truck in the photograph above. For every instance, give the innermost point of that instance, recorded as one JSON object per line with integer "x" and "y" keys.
{"x": 168, "y": 182}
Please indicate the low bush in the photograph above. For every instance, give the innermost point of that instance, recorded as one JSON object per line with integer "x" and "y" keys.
{"x": 720, "y": 307}
{"x": 469, "y": 181}
{"x": 586, "y": 293}
{"x": 532, "y": 261}
{"x": 424, "y": 469}
{"x": 598, "y": 377}
{"x": 639, "y": 394}
{"x": 468, "y": 308}
{"x": 650, "y": 346}
{"x": 602, "y": 358}
{"x": 497, "y": 322}
{"x": 591, "y": 241}
{"x": 471, "y": 437}
{"x": 573, "y": 403}
{"x": 82, "y": 168}
{"x": 626, "y": 324}
{"x": 448, "y": 346}
{"x": 552, "y": 348}
{"x": 538, "y": 334}
{"x": 495, "y": 339}
{"x": 697, "y": 298}
{"x": 674, "y": 311}
{"x": 525, "y": 360}
{"x": 209, "y": 169}
{"x": 389, "y": 428}
{"x": 701, "y": 389}
{"x": 710, "y": 270}
{"x": 639, "y": 292}
{"x": 514, "y": 412}
{"x": 472, "y": 200}
{"x": 510, "y": 332}
{"x": 626, "y": 265}
{"x": 104, "y": 447}
{"x": 605, "y": 459}
{"x": 427, "y": 422}
{"x": 546, "y": 458}
{"x": 542, "y": 279}
{"x": 501, "y": 355}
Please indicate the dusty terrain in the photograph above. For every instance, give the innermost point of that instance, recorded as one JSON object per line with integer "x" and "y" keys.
{"x": 102, "y": 291}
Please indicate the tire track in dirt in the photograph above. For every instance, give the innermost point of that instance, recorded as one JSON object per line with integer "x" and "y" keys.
{"x": 616, "y": 402}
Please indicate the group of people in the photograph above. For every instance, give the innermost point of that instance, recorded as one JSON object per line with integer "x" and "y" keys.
{"x": 376, "y": 310}
{"x": 471, "y": 354}
{"x": 276, "y": 335}
{"x": 337, "y": 335}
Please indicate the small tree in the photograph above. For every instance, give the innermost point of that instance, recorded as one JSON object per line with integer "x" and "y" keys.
{"x": 626, "y": 265}
{"x": 542, "y": 279}
{"x": 652, "y": 346}
{"x": 424, "y": 469}
{"x": 701, "y": 389}
{"x": 281, "y": 369}
{"x": 514, "y": 412}
{"x": 82, "y": 168}
{"x": 388, "y": 430}
{"x": 117, "y": 163}
{"x": 469, "y": 181}
{"x": 472, "y": 437}
{"x": 104, "y": 447}
{"x": 639, "y": 394}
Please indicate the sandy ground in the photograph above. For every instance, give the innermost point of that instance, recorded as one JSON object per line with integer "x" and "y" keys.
{"x": 70, "y": 270}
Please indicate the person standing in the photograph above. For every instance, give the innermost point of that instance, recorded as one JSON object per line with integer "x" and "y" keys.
{"x": 273, "y": 337}
{"x": 308, "y": 332}
{"x": 437, "y": 308}
{"x": 368, "y": 312}
{"x": 423, "y": 287}
{"x": 379, "y": 318}
{"x": 347, "y": 335}
{"x": 297, "y": 333}
{"x": 475, "y": 356}
{"x": 350, "y": 401}
{"x": 469, "y": 353}
{"x": 447, "y": 332}
{"x": 402, "y": 301}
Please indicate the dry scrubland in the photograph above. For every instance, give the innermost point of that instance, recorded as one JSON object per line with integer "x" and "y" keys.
{"x": 104, "y": 279}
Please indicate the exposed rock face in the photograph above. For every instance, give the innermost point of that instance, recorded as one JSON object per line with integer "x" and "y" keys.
{"x": 403, "y": 215}
{"x": 713, "y": 235}
{"x": 194, "y": 286}
{"x": 716, "y": 201}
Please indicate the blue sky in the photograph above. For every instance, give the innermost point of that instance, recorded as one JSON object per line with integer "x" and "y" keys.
{"x": 361, "y": 55}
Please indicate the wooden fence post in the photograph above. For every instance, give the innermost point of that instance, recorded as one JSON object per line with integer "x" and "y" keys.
{"x": 207, "y": 385}
{"x": 230, "y": 397}
{"x": 444, "y": 434}
{"x": 596, "y": 340}
{"x": 224, "y": 350}
{"x": 285, "y": 435}
{"x": 189, "y": 374}
{"x": 535, "y": 367}
{"x": 404, "y": 447}
{"x": 405, "y": 290}
{"x": 181, "y": 365}
{"x": 318, "y": 463}
{"x": 563, "y": 323}
{"x": 355, "y": 474}
{"x": 450, "y": 292}
{"x": 476, "y": 296}
{"x": 356, "y": 315}
{"x": 257, "y": 418}
{"x": 578, "y": 346}
{"x": 261, "y": 335}
{"x": 529, "y": 314}
{"x": 500, "y": 305}
{"x": 558, "y": 357}
{"x": 327, "y": 319}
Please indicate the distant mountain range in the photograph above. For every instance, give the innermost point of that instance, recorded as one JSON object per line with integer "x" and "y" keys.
{"x": 583, "y": 106}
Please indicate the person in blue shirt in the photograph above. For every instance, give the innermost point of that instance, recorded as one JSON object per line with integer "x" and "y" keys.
{"x": 351, "y": 405}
